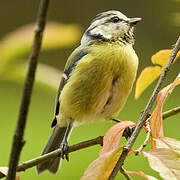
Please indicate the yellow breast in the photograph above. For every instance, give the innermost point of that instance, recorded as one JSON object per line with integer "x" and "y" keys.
{"x": 100, "y": 84}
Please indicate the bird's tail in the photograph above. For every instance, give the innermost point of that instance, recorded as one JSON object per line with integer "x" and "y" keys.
{"x": 54, "y": 143}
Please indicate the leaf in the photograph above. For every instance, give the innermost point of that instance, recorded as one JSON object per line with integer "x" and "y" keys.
{"x": 141, "y": 174}
{"x": 156, "y": 121}
{"x": 4, "y": 172}
{"x": 165, "y": 161}
{"x": 18, "y": 43}
{"x": 147, "y": 76}
{"x": 113, "y": 135}
{"x": 150, "y": 74}
{"x": 167, "y": 142}
{"x": 102, "y": 167}
{"x": 46, "y": 75}
{"x": 162, "y": 56}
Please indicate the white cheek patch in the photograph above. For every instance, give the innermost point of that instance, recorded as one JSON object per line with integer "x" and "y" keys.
{"x": 103, "y": 31}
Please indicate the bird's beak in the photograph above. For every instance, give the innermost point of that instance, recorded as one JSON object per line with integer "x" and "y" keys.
{"x": 134, "y": 21}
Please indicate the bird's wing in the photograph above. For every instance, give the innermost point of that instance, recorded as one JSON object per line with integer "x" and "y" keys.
{"x": 71, "y": 63}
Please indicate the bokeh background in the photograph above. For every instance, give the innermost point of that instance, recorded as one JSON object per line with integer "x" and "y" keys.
{"x": 158, "y": 30}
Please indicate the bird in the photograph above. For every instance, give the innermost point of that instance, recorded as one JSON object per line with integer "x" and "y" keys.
{"x": 97, "y": 79}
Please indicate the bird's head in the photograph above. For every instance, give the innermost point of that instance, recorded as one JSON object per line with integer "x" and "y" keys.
{"x": 111, "y": 26}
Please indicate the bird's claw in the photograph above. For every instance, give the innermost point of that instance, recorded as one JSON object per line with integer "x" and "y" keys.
{"x": 128, "y": 132}
{"x": 64, "y": 151}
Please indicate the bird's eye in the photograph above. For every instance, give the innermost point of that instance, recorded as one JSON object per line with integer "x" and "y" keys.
{"x": 115, "y": 19}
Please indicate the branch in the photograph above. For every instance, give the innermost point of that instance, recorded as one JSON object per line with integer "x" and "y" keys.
{"x": 165, "y": 115}
{"x": 18, "y": 141}
{"x": 28, "y": 164}
{"x": 122, "y": 170}
{"x": 99, "y": 140}
{"x": 171, "y": 112}
{"x": 144, "y": 115}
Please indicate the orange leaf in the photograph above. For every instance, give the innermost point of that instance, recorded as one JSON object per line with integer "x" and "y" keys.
{"x": 4, "y": 172}
{"x": 166, "y": 142}
{"x": 156, "y": 123}
{"x": 147, "y": 76}
{"x": 141, "y": 174}
{"x": 102, "y": 167}
{"x": 113, "y": 135}
{"x": 162, "y": 56}
{"x": 166, "y": 162}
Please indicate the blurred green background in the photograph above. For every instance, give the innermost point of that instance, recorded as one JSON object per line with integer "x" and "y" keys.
{"x": 158, "y": 30}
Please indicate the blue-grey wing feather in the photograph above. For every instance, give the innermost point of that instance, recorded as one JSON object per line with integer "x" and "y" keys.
{"x": 67, "y": 73}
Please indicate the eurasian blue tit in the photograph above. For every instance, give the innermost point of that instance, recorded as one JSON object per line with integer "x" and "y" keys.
{"x": 97, "y": 79}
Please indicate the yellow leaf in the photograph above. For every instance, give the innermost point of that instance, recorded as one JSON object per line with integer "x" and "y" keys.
{"x": 102, "y": 167}
{"x": 147, "y": 76}
{"x": 162, "y": 56}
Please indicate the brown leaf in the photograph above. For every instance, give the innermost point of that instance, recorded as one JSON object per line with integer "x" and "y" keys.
{"x": 102, "y": 167}
{"x": 141, "y": 174}
{"x": 113, "y": 135}
{"x": 156, "y": 123}
{"x": 4, "y": 172}
{"x": 166, "y": 162}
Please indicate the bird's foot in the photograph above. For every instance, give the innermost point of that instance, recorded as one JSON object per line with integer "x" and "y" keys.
{"x": 128, "y": 131}
{"x": 64, "y": 150}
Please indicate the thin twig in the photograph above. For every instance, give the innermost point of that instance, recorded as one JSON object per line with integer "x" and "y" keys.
{"x": 18, "y": 141}
{"x": 28, "y": 164}
{"x": 146, "y": 140}
{"x": 146, "y": 111}
{"x": 165, "y": 115}
{"x": 171, "y": 112}
{"x": 122, "y": 170}
{"x": 99, "y": 140}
